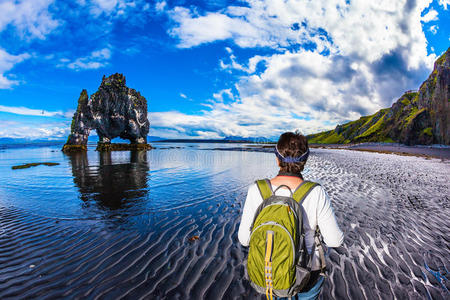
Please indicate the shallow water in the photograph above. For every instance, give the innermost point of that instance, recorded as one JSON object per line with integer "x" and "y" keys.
{"x": 118, "y": 225}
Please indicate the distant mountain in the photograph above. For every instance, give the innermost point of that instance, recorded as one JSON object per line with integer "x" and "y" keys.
{"x": 228, "y": 139}
{"x": 248, "y": 139}
{"x": 417, "y": 117}
{"x": 152, "y": 138}
{"x": 9, "y": 141}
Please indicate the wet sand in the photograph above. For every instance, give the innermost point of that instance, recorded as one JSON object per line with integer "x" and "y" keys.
{"x": 434, "y": 151}
{"x": 394, "y": 211}
{"x": 442, "y": 152}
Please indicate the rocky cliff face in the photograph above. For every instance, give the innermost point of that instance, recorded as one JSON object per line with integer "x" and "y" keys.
{"x": 418, "y": 117}
{"x": 113, "y": 111}
{"x": 434, "y": 98}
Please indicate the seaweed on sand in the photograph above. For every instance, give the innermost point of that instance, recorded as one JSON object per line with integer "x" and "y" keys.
{"x": 29, "y": 165}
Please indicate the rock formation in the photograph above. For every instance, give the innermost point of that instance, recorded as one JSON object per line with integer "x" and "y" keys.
{"x": 417, "y": 117}
{"x": 434, "y": 99}
{"x": 113, "y": 111}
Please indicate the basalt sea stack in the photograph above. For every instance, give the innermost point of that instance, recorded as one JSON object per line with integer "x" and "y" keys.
{"x": 115, "y": 110}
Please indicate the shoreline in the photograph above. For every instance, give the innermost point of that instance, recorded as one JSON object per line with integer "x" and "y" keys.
{"x": 425, "y": 151}
{"x": 428, "y": 152}
{"x": 440, "y": 152}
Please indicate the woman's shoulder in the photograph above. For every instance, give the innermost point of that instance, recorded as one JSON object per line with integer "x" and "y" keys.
{"x": 253, "y": 189}
{"x": 318, "y": 193}
{"x": 254, "y": 192}
{"x": 317, "y": 188}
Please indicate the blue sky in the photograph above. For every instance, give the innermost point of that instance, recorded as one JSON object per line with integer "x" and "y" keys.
{"x": 212, "y": 69}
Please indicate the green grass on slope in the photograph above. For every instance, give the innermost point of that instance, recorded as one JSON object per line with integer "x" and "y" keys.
{"x": 414, "y": 112}
{"x": 374, "y": 128}
{"x": 427, "y": 131}
{"x": 327, "y": 137}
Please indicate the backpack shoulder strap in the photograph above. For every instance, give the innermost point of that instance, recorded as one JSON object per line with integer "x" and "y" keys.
{"x": 303, "y": 190}
{"x": 265, "y": 188}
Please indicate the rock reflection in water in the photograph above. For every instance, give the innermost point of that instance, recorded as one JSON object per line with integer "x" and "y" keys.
{"x": 111, "y": 185}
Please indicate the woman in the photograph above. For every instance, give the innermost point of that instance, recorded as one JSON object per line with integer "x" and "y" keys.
{"x": 291, "y": 154}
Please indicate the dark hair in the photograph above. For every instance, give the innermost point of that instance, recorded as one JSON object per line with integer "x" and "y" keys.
{"x": 292, "y": 144}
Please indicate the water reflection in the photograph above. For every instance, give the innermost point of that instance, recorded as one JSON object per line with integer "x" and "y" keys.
{"x": 112, "y": 184}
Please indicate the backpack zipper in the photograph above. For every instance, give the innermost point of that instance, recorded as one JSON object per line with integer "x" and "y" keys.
{"x": 290, "y": 236}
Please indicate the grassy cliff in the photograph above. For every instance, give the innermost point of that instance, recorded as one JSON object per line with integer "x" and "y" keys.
{"x": 417, "y": 117}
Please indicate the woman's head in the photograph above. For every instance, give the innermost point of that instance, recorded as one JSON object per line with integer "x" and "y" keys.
{"x": 292, "y": 152}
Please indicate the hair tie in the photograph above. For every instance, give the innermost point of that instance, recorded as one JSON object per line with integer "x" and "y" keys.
{"x": 290, "y": 159}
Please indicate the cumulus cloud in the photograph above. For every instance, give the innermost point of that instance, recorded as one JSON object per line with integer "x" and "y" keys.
{"x": 237, "y": 119}
{"x": 432, "y": 15}
{"x": 7, "y": 62}
{"x": 51, "y": 131}
{"x": 26, "y": 25}
{"x": 444, "y": 3}
{"x": 192, "y": 28}
{"x": 37, "y": 19}
{"x": 332, "y": 61}
{"x": 225, "y": 93}
{"x": 108, "y": 7}
{"x": 160, "y": 6}
{"x": 233, "y": 64}
{"x": 95, "y": 60}
{"x": 433, "y": 29}
{"x": 25, "y": 111}
{"x": 31, "y": 19}
{"x": 362, "y": 28}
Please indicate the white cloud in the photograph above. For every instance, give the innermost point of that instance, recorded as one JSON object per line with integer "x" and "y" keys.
{"x": 97, "y": 7}
{"x": 432, "y": 15}
{"x": 234, "y": 65}
{"x": 160, "y": 6}
{"x": 111, "y": 8}
{"x": 184, "y": 96}
{"x": 106, "y": 5}
{"x": 25, "y": 111}
{"x": 433, "y": 29}
{"x": 51, "y": 131}
{"x": 28, "y": 19}
{"x": 363, "y": 28}
{"x": 282, "y": 98}
{"x": 195, "y": 30}
{"x": 444, "y": 3}
{"x": 7, "y": 62}
{"x": 95, "y": 60}
{"x": 247, "y": 118}
{"x": 362, "y": 56}
{"x": 219, "y": 96}
{"x": 31, "y": 19}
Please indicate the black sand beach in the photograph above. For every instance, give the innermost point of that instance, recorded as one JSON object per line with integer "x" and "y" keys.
{"x": 394, "y": 211}
{"x": 436, "y": 151}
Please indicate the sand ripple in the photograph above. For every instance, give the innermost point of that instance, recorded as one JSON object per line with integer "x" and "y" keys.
{"x": 394, "y": 212}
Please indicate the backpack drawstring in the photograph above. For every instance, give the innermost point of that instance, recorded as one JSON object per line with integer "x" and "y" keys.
{"x": 268, "y": 265}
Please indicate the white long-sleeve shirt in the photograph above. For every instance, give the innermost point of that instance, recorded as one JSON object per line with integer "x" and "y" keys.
{"x": 317, "y": 210}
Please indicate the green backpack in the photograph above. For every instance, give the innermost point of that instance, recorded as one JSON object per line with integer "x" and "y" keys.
{"x": 278, "y": 262}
